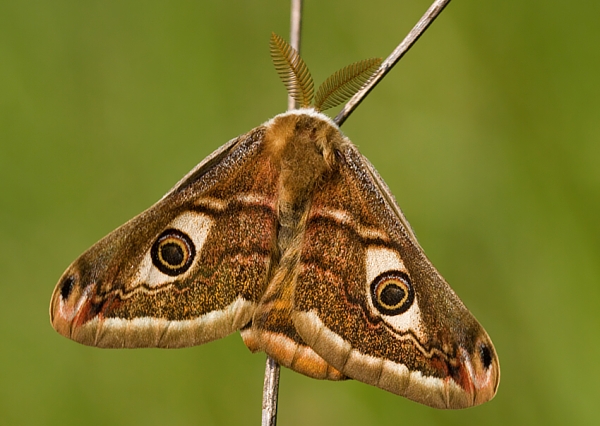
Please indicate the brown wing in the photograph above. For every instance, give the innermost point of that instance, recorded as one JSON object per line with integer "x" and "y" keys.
{"x": 189, "y": 269}
{"x": 369, "y": 302}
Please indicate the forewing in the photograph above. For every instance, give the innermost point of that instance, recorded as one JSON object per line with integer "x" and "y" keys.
{"x": 189, "y": 269}
{"x": 370, "y": 303}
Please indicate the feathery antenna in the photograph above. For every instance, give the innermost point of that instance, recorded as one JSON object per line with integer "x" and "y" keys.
{"x": 343, "y": 84}
{"x": 292, "y": 70}
{"x": 296, "y": 77}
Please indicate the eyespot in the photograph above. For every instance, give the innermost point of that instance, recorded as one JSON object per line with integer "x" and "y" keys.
{"x": 173, "y": 252}
{"x": 392, "y": 293}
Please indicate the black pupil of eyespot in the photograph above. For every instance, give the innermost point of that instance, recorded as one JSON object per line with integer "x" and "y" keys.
{"x": 172, "y": 253}
{"x": 392, "y": 294}
{"x": 486, "y": 356}
{"x": 67, "y": 287}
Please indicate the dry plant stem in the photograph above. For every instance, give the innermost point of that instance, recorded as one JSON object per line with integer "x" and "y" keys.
{"x": 271, "y": 383}
{"x": 296, "y": 23}
{"x": 434, "y": 10}
{"x": 270, "y": 390}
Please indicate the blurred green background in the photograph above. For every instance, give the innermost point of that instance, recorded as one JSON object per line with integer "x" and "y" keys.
{"x": 487, "y": 133}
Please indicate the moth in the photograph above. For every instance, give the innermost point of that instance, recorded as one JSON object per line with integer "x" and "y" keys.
{"x": 288, "y": 234}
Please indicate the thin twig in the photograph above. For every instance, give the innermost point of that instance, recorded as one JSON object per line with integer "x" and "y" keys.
{"x": 432, "y": 13}
{"x": 270, "y": 390}
{"x": 271, "y": 383}
{"x": 295, "y": 26}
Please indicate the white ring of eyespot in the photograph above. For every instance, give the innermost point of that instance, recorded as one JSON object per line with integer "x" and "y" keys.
{"x": 378, "y": 261}
{"x": 196, "y": 226}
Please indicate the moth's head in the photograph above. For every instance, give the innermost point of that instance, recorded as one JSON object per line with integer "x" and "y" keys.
{"x": 302, "y": 143}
